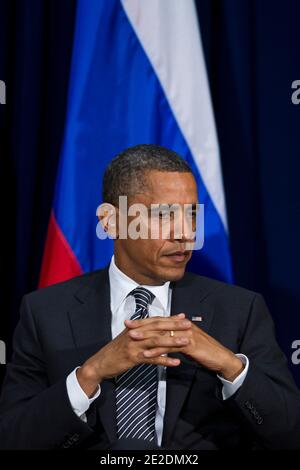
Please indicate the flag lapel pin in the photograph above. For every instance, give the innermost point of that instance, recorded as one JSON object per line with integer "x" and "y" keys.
{"x": 199, "y": 318}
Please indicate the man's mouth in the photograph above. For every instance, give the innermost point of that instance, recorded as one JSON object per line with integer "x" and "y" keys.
{"x": 178, "y": 256}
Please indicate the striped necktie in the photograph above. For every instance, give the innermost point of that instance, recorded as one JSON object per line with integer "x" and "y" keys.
{"x": 136, "y": 388}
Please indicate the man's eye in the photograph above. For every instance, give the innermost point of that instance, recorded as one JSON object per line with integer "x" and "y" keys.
{"x": 191, "y": 214}
{"x": 164, "y": 215}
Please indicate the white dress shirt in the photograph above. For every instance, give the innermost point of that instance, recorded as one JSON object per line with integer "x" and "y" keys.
{"x": 122, "y": 308}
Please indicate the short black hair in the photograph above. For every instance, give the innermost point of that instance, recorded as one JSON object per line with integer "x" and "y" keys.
{"x": 126, "y": 173}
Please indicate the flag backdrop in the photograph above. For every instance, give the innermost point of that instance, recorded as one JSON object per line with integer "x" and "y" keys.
{"x": 138, "y": 76}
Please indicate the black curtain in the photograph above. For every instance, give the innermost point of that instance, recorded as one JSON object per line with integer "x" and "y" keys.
{"x": 252, "y": 52}
{"x": 36, "y": 38}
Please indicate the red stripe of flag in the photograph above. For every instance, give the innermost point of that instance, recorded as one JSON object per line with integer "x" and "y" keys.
{"x": 59, "y": 262}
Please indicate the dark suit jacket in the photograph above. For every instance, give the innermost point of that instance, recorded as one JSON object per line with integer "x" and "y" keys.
{"x": 63, "y": 325}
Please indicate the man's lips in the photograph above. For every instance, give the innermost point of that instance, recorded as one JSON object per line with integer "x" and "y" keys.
{"x": 178, "y": 256}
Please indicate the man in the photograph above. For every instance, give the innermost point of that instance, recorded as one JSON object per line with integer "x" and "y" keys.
{"x": 142, "y": 354}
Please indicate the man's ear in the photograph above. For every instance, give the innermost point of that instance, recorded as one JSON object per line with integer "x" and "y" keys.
{"x": 107, "y": 215}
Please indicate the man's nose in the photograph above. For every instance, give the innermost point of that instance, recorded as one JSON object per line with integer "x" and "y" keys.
{"x": 182, "y": 229}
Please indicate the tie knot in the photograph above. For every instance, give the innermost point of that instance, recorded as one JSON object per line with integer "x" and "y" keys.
{"x": 142, "y": 296}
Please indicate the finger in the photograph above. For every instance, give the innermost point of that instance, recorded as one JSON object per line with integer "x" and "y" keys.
{"x": 163, "y": 361}
{"x": 139, "y": 334}
{"x": 159, "y": 324}
{"x": 145, "y": 321}
{"x": 164, "y": 342}
{"x": 157, "y": 352}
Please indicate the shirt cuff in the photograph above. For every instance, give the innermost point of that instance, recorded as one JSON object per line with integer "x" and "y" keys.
{"x": 80, "y": 402}
{"x": 229, "y": 388}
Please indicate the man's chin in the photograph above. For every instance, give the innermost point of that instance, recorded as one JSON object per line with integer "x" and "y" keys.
{"x": 173, "y": 273}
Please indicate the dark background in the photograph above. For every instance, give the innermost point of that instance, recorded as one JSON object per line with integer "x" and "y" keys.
{"x": 252, "y": 51}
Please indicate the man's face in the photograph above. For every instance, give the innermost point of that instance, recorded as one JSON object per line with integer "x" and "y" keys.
{"x": 155, "y": 261}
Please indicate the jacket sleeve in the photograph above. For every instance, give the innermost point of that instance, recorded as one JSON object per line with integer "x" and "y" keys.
{"x": 268, "y": 401}
{"x": 33, "y": 413}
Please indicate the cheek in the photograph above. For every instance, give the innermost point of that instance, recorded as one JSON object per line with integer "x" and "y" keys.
{"x": 145, "y": 249}
{"x": 152, "y": 249}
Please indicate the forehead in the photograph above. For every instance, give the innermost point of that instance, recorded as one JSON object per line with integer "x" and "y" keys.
{"x": 169, "y": 187}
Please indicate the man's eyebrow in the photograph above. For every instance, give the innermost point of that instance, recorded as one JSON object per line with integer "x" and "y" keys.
{"x": 193, "y": 204}
{"x": 164, "y": 205}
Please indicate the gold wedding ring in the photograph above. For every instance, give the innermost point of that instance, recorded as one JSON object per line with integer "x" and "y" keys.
{"x": 172, "y": 333}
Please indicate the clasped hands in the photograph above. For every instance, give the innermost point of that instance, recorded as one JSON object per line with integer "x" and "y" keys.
{"x": 148, "y": 341}
{"x": 163, "y": 335}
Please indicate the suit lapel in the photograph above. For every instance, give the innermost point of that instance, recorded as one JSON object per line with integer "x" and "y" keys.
{"x": 91, "y": 325}
{"x": 186, "y": 298}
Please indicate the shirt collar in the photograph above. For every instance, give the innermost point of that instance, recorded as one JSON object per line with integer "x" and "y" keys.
{"x": 121, "y": 285}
